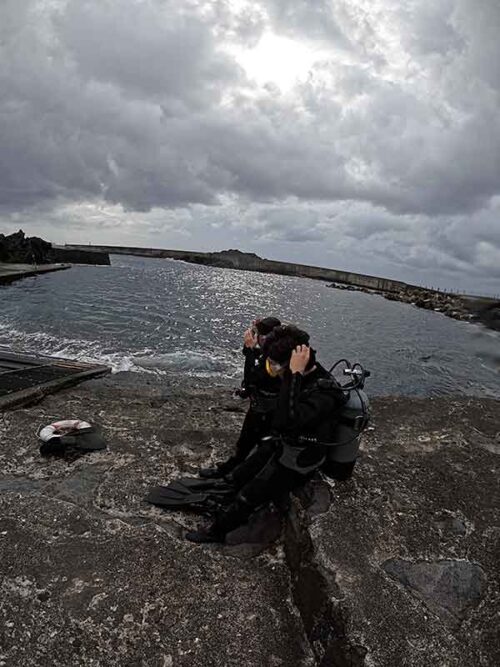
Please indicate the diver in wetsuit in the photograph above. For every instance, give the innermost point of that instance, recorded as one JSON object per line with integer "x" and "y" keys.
{"x": 308, "y": 401}
{"x": 261, "y": 389}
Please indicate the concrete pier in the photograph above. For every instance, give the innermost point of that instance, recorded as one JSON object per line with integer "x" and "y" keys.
{"x": 11, "y": 272}
{"x": 396, "y": 567}
{"x": 243, "y": 261}
{"x": 27, "y": 379}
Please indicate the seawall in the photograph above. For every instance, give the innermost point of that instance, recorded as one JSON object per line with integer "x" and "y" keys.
{"x": 235, "y": 259}
{"x": 11, "y": 272}
{"x": 457, "y": 306}
{"x": 79, "y": 255}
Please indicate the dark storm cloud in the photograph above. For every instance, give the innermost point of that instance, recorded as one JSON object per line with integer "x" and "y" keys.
{"x": 391, "y": 142}
{"x": 148, "y": 50}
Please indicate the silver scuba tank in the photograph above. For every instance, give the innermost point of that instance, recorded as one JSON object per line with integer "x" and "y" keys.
{"x": 346, "y": 434}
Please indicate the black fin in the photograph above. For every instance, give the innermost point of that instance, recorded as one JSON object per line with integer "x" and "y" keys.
{"x": 208, "y": 485}
{"x": 161, "y": 496}
{"x": 185, "y": 493}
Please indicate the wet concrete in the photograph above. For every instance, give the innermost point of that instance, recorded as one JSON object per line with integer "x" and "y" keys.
{"x": 395, "y": 567}
{"x": 11, "y": 272}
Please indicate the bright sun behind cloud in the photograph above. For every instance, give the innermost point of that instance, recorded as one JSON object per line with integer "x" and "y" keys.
{"x": 278, "y": 60}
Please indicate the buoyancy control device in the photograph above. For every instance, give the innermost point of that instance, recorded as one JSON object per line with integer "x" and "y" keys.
{"x": 352, "y": 419}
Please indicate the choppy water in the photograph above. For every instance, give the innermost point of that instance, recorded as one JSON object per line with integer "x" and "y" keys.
{"x": 170, "y": 317}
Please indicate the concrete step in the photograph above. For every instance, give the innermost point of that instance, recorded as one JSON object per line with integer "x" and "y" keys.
{"x": 25, "y": 379}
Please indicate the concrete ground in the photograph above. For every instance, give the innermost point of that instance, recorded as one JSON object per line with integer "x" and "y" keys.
{"x": 11, "y": 272}
{"x": 396, "y": 567}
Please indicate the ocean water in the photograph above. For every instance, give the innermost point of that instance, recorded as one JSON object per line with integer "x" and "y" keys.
{"x": 178, "y": 319}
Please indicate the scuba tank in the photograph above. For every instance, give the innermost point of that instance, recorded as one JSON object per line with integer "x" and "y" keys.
{"x": 353, "y": 418}
{"x": 349, "y": 421}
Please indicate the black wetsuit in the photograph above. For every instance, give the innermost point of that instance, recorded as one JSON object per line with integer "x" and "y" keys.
{"x": 262, "y": 390}
{"x": 306, "y": 409}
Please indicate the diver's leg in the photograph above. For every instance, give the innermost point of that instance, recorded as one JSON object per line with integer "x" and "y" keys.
{"x": 249, "y": 436}
{"x": 251, "y": 432}
{"x": 252, "y": 465}
{"x": 271, "y": 482}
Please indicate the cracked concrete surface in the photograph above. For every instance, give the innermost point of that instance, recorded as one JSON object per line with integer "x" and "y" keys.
{"x": 396, "y": 567}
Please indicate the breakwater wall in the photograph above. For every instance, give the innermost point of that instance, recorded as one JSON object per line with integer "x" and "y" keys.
{"x": 234, "y": 259}
{"x": 79, "y": 255}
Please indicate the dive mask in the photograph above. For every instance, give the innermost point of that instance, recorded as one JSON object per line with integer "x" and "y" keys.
{"x": 273, "y": 369}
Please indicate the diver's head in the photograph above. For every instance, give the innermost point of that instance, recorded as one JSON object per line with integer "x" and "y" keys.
{"x": 264, "y": 327}
{"x": 280, "y": 344}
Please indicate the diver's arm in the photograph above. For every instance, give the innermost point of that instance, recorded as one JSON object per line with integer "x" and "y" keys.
{"x": 252, "y": 355}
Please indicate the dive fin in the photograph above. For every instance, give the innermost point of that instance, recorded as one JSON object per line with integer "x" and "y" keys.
{"x": 186, "y": 486}
{"x": 185, "y": 494}
{"x": 208, "y": 485}
{"x": 196, "y": 501}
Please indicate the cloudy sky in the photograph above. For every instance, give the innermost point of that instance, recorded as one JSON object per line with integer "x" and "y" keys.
{"x": 356, "y": 134}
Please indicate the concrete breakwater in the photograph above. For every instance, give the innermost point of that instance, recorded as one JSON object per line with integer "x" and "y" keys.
{"x": 396, "y": 566}
{"x": 76, "y": 256}
{"x": 244, "y": 261}
{"x": 460, "y": 307}
{"x": 12, "y": 272}
{"x": 486, "y": 311}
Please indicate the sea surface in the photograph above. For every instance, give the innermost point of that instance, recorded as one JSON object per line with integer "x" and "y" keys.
{"x": 168, "y": 317}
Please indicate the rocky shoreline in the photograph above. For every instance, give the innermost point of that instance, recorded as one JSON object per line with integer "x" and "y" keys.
{"x": 19, "y": 249}
{"x": 469, "y": 309}
{"x": 395, "y": 567}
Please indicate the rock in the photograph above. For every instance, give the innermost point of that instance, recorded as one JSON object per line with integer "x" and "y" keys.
{"x": 451, "y": 525}
{"x": 315, "y": 497}
{"x": 453, "y": 586}
{"x": 18, "y": 248}
{"x": 490, "y": 316}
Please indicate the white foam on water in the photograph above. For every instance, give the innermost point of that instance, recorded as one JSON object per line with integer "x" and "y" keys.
{"x": 13, "y": 340}
{"x": 187, "y": 362}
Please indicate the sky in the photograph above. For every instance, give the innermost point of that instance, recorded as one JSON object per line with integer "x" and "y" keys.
{"x": 355, "y": 134}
